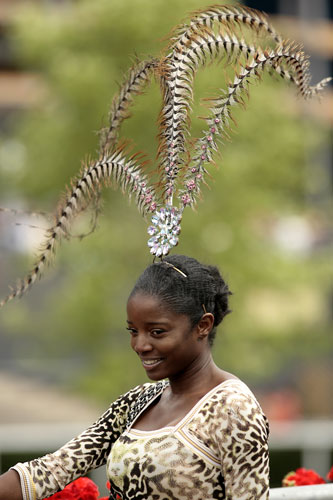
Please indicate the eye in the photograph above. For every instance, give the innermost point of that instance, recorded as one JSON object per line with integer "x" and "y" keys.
{"x": 157, "y": 332}
{"x": 131, "y": 330}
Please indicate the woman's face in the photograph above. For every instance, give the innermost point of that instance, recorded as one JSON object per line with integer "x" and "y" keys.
{"x": 166, "y": 343}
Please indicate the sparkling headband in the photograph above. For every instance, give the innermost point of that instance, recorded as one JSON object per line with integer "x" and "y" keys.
{"x": 240, "y": 37}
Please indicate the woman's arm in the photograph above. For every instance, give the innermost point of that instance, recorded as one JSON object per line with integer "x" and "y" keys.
{"x": 243, "y": 446}
{"x": 10, "y": 487}
{"x": 47, "y": 475}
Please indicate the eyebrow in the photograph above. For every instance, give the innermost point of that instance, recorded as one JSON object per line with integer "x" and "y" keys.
{"x": 149, "y": 322}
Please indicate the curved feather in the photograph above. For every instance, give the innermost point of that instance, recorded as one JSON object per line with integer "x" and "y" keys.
{"x": 205, "y": 47}
{"x": 219, "y": 122}
{"x": 191, "y": 45}
{"x": 117, "y": 167}
{"x": 228, "y": 15}
{"x": 137, "y": 78}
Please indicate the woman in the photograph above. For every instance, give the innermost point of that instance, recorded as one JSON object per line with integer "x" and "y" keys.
{"x": 198, "y": 433}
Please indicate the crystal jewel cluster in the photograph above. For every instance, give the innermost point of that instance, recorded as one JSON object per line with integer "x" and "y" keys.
{"x": 164, "y": 230}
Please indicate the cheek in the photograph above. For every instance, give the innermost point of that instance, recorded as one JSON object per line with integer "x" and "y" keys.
{"x": 192, "y": 347}
{"x": 132, "y": 342}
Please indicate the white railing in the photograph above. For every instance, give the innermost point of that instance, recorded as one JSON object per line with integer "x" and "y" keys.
{"x": 313, "y": 438}
{"x": 316, "y": 492}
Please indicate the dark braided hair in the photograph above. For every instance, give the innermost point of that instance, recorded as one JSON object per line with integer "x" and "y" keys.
{"x": 186, "y": 287}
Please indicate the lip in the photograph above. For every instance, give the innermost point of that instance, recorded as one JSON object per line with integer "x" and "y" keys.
{"x": 148, "y": 363}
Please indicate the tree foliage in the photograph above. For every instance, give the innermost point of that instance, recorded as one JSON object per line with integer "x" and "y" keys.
{"x": 260, "y": 186}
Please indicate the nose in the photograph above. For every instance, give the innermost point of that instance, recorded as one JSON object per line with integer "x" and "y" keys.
{"x": 141, "y": 343}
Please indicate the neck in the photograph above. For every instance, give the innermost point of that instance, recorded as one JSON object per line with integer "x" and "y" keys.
{"x": 202, "y": 375}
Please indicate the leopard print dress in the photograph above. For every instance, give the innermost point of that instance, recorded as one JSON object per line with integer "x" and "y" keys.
{"x": 217, "y": 451}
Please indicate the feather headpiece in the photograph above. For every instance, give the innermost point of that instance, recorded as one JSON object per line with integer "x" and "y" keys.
{"x": 239, "y": 37}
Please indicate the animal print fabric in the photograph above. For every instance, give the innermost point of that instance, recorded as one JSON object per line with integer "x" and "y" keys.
{"x": 217, "y": 451}
{"x": 89, "y": 450}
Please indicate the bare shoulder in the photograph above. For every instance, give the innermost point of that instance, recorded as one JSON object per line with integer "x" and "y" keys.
{"x": 223, "y": 376}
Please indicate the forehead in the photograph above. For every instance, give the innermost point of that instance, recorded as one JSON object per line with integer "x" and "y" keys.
{"x": 141, "y": 302}
{"x": 145, "y": 307}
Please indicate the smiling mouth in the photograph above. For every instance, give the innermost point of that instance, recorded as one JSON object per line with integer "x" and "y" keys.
{"x": 149, "y": 363}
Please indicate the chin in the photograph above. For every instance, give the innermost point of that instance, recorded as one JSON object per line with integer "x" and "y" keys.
{"x": 155, "y": 377}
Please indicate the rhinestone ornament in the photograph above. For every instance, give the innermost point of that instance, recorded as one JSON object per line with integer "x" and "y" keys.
{"x": 164, "y": 230}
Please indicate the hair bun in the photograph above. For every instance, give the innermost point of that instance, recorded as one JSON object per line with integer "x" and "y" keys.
{"x": 221, "y": 307}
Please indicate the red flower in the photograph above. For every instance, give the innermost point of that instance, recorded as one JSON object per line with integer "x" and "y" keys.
{"x": 302, "y": 477}
{"x": 83, "y": 489}
{"x": 80, "y": 489}
{"x": 330, "y": 474}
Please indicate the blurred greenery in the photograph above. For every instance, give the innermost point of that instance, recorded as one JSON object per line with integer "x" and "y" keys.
{"x": 281, "y": 298}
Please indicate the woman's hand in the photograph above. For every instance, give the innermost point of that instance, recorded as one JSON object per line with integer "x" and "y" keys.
{"x": 10, "y": 487}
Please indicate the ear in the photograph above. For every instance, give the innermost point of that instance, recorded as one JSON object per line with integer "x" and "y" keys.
{"x": 205, "y": 326}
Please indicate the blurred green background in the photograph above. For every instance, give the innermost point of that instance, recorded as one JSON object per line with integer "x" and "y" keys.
{"x": 264, "y": 220}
